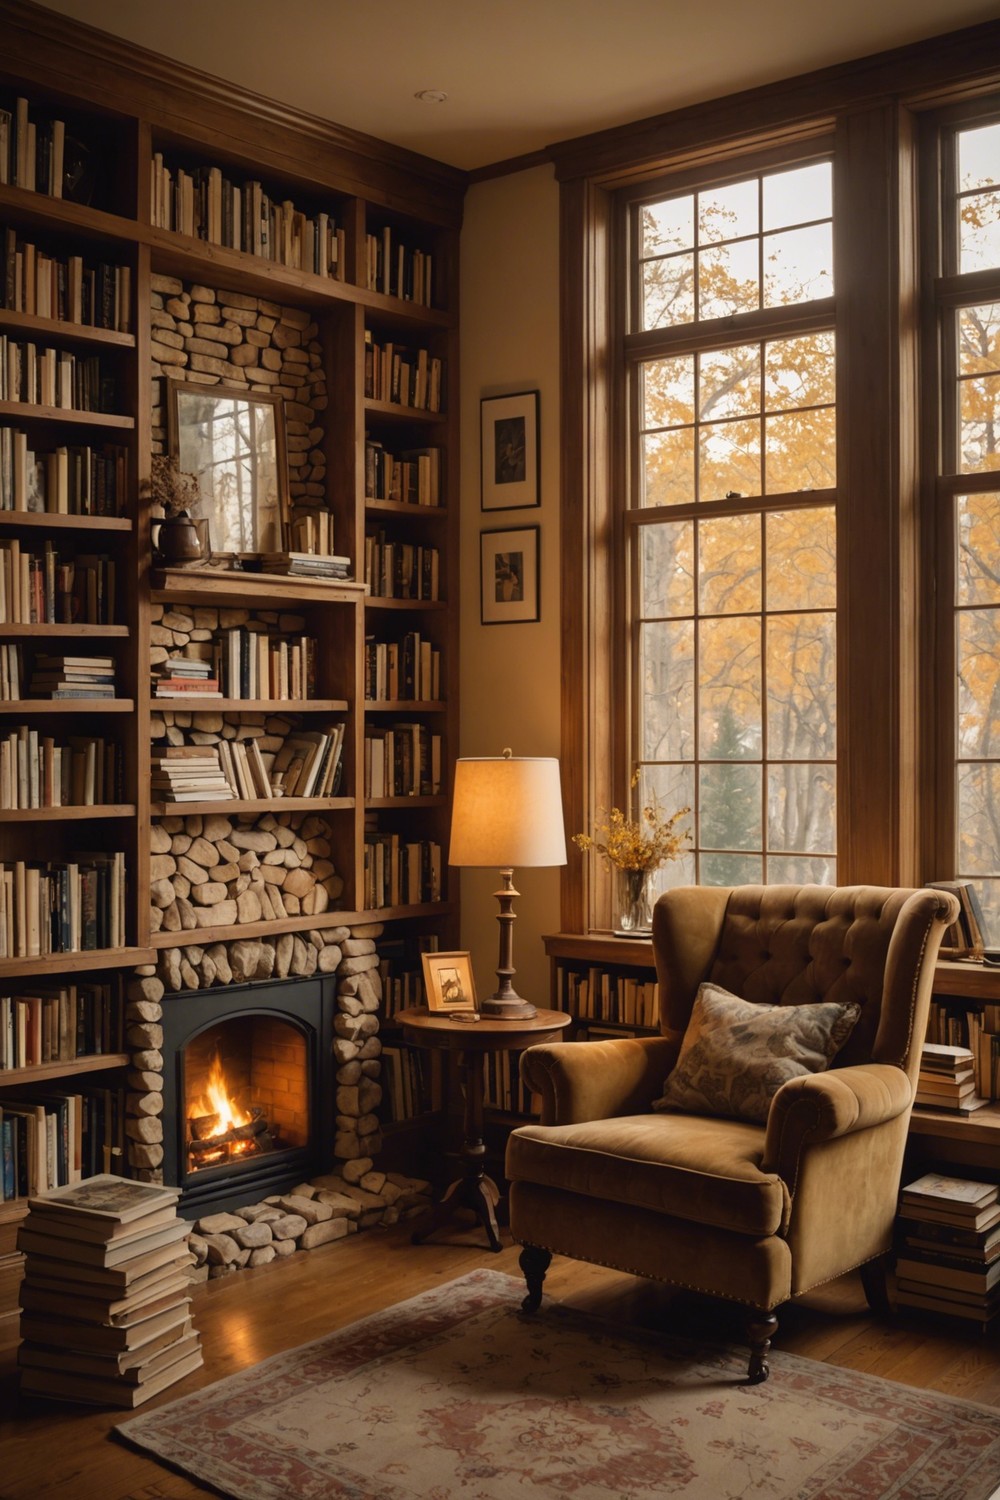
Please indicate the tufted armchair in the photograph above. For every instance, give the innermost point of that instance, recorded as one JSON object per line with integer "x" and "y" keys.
{"x": 753, "y": 1212}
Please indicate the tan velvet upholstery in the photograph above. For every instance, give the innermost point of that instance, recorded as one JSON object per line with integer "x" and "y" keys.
{"x": 754, "y": 1213}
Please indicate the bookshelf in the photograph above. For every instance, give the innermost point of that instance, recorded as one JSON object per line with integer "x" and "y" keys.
{"x": 382, "y": 271}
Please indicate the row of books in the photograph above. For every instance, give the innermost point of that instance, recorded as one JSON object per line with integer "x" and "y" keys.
{"x": 412, "y": 477}
{"x": 947, "y": 1079}
{"x": 398, "y": 271}
{"x": 403, "y": 760}
{"x": 948, "y": 1247}
{"x": 255, "y": 664}
{"x": 55, "y": 676}
{"x": 408, "y": 1083}
{"x": 32, "y": 152}
{"x": 603, "y": 995}
{"x": 106, "y": 1297}
{"x": 964, "y": 939}
{"x": 69, "y": 906}
{"x": 58, "y": 1023}
{"x": 401, "y": 570}
{"x": 409, "y": 669}
{"x": 207, "y": 204}
{"x": 309, "y": 764}
{"x": 49, "y": 587}
{"x": 53, "y": 377}
{"x": 67, "y": 481}
{"x": 402, "y": 376}
{"x": 505, "y": 1089}
{"x": 976, "y": 1029}
{"x": 61, "y": 676}
{"x": 398, "y": 873}
{"x": 311, "y": 531}
{"x": 38, "y": 771}
{"x": 50, "y": 1136}
{"x": 69, "y": 290}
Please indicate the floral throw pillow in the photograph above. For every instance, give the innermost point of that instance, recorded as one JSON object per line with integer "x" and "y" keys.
{"x": 736, "y": 1055}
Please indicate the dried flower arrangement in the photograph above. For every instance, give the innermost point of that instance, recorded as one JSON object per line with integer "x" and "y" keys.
{"x": 169, "y": 488}
{"x": 644, "y": 843}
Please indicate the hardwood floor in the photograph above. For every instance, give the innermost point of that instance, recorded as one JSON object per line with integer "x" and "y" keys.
{"x": 50, "y": 1451}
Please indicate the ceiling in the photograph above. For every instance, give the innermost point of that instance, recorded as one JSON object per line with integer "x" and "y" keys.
{"x": 519, "y": 74}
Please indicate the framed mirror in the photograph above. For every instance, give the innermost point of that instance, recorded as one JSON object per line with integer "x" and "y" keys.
{"x": 234, "y": 442}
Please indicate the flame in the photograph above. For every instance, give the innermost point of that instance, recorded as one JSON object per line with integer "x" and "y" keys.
{"x": 217, "y": 1101}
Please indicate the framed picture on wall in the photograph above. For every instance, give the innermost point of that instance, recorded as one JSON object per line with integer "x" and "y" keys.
{"x": 508, "y": 576}
{"x": 509, "y": 451}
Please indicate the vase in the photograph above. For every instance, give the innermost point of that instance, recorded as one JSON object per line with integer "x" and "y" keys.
{"x": 633, "y": 902}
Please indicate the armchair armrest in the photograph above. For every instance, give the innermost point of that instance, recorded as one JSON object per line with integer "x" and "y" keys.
{"x": 581, "y": 1081}
{"x": 821, "y": 1106}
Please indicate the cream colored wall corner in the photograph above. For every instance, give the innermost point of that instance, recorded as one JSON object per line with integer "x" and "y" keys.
{"x": 510, "y": 673}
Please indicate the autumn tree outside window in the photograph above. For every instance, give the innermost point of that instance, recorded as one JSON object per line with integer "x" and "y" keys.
{"x": 730, "y": 533}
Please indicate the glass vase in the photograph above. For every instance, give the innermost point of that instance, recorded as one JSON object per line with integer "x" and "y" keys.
{"x": 633, "y": 902}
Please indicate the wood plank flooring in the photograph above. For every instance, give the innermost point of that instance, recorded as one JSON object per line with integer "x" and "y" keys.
{"x": 49, "y": 1451}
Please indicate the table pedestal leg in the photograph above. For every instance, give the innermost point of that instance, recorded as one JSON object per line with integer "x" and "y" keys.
{"x": 474, "y": 1189}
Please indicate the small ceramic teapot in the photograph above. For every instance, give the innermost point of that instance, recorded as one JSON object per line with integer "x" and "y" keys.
{"x": 178, "y": 541}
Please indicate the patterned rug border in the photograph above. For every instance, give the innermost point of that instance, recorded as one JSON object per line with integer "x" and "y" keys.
{"x": 432, "y": 1312}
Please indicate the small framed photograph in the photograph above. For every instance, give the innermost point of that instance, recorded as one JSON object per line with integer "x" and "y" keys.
{"x": 509, "y": 451}
{"x": 508, "y": 583}
{"x": 448, "y": 981}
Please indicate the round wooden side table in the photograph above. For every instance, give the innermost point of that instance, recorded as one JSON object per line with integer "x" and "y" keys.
{"x": 472, "y": 1041}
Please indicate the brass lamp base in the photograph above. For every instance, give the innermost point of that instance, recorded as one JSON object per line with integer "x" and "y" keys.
{"x": 507, "y": 1008}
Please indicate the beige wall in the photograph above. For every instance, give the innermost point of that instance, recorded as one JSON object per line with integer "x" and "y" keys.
{"x": 510, "y": 673}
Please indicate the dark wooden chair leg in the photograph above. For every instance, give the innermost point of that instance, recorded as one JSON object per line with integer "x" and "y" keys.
{"x": 761, "y": 1328}
{"x": 534, "y": 1263}
{"x": 873, "y": 1279}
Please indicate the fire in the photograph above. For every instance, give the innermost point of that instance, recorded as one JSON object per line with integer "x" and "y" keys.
{"x": 217, "y": 1101}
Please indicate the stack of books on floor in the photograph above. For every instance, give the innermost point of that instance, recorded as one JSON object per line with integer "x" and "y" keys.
{"x": 947, "y": 1079}
{"x": 949, "y": 1247}
{"x": 306, "y": 564}
{"x": 188, "y": 676}
{"x": 73, "y": 677}
{"x": 189, "y": 773}
{"x": 106, "y": 1298}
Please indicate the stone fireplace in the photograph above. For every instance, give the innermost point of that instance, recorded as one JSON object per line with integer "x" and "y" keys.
{"x": 248, "y": 1090}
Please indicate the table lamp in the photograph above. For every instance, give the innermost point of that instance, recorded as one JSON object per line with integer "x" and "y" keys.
{"x": 507, "y": 811}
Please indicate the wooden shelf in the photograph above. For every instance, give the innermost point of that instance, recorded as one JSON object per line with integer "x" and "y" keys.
{"x": 94, "y": 1063}
{"x": 25, "y": 411}
{"x": 601, "y": 948}
{"x": 198, "y": 704}
{"x": 404, "y": 508}
{"x": 404, "y": 802}
{"x": 77, "y": 219}
{"x": 57, "y": 521}
{"x": 76, "y": 632}
{"x": 204, "y": 935}
{"x": 67, "y": 814}
{"x": 969, "y": 981}
{"x": 258, "y": 804}
{"x": 404, "y": 705}
{"x": 27, "y": 706}
{"x": 981, "y": 1128}
{"x": 63, "y": 331}
{"x": 391, "y": 411}
{"x": 215, "y": 584}
{"x": 75, "y": 963}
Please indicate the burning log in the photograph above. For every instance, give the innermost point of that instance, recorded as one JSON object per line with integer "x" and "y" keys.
{"x": 202, "y": 1142}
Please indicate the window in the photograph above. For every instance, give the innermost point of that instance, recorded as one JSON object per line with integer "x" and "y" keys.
{"x": 968, "y": 312}
{"x": 728, "y": 570}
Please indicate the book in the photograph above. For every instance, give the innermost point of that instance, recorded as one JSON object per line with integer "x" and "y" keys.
{"x": 131, "y": 1248}
{"x": 957, "y": 1194}
{"x": 65, "y": 1386}
{"x": 934, "y": 1272}
{"x": 70, "y": 1333}
{"x": 117, "y": 1313}
{"x": 106, "y": 1197}
{"x": 133, "y": 1365}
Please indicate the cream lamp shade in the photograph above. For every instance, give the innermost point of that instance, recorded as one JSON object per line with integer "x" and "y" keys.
{"x": 507, "y": 811}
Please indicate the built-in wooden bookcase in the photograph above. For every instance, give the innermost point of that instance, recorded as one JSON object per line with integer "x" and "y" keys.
{"x": 128, "y": 116}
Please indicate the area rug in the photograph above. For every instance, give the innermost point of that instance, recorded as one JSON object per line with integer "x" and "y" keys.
{"x": 456, "y": 1395}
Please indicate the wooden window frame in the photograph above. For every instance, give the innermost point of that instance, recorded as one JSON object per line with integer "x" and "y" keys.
{"x": 887, "y": 755}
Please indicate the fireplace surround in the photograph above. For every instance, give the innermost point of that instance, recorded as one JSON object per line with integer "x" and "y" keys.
{"x": 274, "y": 1042}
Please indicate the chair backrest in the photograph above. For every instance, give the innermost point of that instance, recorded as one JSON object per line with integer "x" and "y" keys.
{"x": 797, "y": 945}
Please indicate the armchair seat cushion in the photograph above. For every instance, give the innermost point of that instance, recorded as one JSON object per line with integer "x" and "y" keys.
{"x": 700, "y": 1169}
